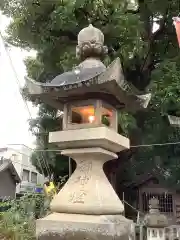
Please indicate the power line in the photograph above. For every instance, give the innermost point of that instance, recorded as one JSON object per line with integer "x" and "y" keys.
{"x": 15, "y": 73}
{"x": 26, "y": 105}
{"x": 132, "y": 146}
{"x": 155, "y": 144}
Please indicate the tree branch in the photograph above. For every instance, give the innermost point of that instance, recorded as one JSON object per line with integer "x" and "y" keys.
{"x": 152, "y": 38}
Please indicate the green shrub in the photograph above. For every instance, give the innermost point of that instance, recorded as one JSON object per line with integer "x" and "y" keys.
{"x": 18, "y": 222}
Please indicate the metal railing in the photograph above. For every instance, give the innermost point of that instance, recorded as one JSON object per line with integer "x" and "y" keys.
{"x": 171, "y": 232}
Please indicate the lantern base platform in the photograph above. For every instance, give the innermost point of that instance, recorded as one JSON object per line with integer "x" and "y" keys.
{"x": 59, "y": 226}
{"x": 103, "y": 137}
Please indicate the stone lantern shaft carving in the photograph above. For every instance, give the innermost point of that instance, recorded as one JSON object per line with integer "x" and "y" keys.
{"x": 90, "y": 97}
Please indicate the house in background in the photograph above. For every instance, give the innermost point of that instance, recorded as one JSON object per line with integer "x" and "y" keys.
{"x": 9, "y": 179}
{"x": 20, "y": 158}
{"x": 144, "y": 189}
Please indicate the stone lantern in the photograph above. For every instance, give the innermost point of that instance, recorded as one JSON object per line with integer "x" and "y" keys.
{"x": 174, "y": 120}
{"x": 155, "y": 221}
{"x": 90, "y": 96}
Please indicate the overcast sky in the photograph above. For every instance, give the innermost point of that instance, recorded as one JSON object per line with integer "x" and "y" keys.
{"x": 13, "y": 113}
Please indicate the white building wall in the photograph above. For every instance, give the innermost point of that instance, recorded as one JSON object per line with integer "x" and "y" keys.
{"x": 20, "y": 157}
{"x": 16, "y": 159}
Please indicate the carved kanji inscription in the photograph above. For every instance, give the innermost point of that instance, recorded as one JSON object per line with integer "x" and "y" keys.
{"x": 84, "y": 170}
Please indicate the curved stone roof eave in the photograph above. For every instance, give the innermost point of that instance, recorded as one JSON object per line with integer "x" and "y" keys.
{"x": 123, "y": 92}
{"x": 34, "y": 88}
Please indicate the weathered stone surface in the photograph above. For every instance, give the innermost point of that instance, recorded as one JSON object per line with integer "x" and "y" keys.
{"x": 90, "y": 33}
{"x": 106, "y": 84}
{"x": 88, "y": 191}
{"x": 154, "y": 219}
{"x": 92, "y": 63}
{"x": 102, "y": 137}
{"x": 90, "y": 43}
{"x": 59, "y": 226}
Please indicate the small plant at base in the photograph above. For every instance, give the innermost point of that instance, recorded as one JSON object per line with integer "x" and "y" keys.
{"x": 18, "y": 222}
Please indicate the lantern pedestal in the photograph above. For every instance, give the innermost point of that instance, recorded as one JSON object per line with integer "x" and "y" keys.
{"x": 87, "y": 207}
{"x": 102, "y": 137}
{"x": 88, "y": 191}
{"x": 59, "y": 226}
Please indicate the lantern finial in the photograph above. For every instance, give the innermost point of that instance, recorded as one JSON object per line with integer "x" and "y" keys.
{"x": 90, "y": 43}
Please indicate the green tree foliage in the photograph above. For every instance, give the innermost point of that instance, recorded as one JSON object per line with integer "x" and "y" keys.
{"x": 141, "y": 33}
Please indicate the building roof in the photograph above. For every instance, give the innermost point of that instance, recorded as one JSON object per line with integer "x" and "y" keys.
{"x": 142, "y": 179}
{"x": 7, "y": 165}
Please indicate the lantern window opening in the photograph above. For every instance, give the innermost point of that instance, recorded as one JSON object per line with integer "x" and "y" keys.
{"x": 80, "y": 114}
{"x": 154, "y": 233}
{"x": 106, "y": 115}
{"x": 109, "y": 116}
{"x": 89, "y": 113}
{"x": 160, "y": 233}
{"x": 83, "y": 114}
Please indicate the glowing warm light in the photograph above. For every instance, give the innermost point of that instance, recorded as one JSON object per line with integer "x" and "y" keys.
{"x": 91, "y": 118}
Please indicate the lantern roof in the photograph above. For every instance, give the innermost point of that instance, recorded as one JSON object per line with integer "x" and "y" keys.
{"x": 76, "y": 76}
{"x": 90, "y": 79}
